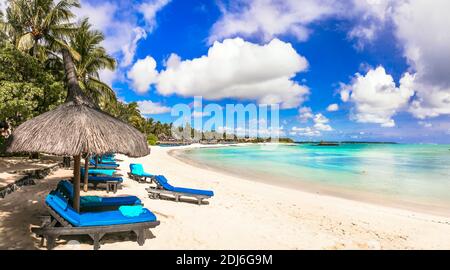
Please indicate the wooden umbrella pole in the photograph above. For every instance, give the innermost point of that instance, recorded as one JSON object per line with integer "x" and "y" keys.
{"x": 86, "y": 173}
{"x": 76, "y": 182}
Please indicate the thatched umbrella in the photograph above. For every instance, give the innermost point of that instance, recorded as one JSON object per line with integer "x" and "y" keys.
{"x": 77, "y": 127}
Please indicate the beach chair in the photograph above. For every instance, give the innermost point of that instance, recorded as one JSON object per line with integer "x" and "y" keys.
{"x": 64, "y": 220}
{"x": 137, "y": 173}
{"x": 107, "y": 172}
{"x": 164, "y": 188}
{"x": 107, "y": 160}
{"x": 102, "y": 165}
{"x": 108, "y": 156}
{"x": 96, "y": 202}
{"x": 112, "y": 182}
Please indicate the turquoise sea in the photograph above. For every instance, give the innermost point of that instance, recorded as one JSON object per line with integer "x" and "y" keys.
{"x": 415, "y": 176}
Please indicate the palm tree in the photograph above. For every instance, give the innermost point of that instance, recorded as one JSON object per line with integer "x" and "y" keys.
{"x": 93, "y": 57}
{"x": 149, "y": 126}
{"x": 127, "y": 112}
{"x": 40, "y": 26}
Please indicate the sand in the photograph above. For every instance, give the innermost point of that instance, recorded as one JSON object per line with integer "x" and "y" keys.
{"x": 243, "y": 214}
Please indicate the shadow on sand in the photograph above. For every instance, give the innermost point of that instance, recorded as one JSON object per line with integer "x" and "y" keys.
{"x": 23, "y": 209}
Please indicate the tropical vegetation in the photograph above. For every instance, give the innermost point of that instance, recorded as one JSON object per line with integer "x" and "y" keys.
{"x": 34, "y": 34}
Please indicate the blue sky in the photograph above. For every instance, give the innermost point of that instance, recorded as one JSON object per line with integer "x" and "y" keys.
{"x": 384, "y": 80}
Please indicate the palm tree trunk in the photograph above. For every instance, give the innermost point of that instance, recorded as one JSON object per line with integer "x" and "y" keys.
{"x": 74, "y": 92}
{"x": 86, "y": 172}
{"x": 71, "y": 76}
{"x": 76, "y": 183}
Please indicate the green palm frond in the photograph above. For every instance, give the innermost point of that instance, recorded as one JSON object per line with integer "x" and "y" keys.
{"x": 59, "y": 44}
{"x": 103, "y": 89}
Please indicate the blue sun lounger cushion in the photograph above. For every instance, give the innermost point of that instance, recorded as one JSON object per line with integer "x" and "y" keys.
{"x": 165, "y": 184}
{"x": 108, "y": 161}
{"x": 60, "y": 205}
{"x": 194, "y": 191}
{"x": 109, "y": 172}
{"x": 66, "y": 188}
{"x": 138, "y": 170}
{"x": 104, "y": 179}
{"x": 104, "y": 165}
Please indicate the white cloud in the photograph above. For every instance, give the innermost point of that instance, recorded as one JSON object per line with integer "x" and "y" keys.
{"x": 376, "y": 98}
{"x": 320, "y": 123}
{"x": 173, "y": 61}
{"x": 119, "y": 34}
{"x": 271, "y": 18}
{"x": 150, "y": 9}
{"x": 333, "y": 107}
{"x": 305, "y": 113}
{"x": 101, "y": 16}
{"x": 149, "y": 107}
{"x": 423, "y": 28}
{"x": 108, "y": 76}
{"x": 305, "y": 132}
{"x": 97, "y": 13}
{"x": 143, "y": 74}
{"x": 129, "y": 49}
{"x": 267, "y": 19}
{"x": 370, "y": 16}
{"x": 119, "y": 22}
{"x": 238, "y": 69}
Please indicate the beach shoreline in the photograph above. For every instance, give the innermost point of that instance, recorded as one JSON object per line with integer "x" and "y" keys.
{"x": 360, "y": 196}
{"x": 243, "y": 214}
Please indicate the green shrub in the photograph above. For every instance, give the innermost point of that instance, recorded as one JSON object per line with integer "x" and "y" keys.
{"x": 152, "y": 139}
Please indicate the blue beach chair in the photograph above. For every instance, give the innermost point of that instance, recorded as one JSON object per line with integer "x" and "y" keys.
{"x": 137, "y": 173}
{"x": 164, "y": 188}
{"x": 94, "y": 202}
{"x": 64, "y": 220}
{"x": 93, "y": 171}
{"x": 107, "y": 160}
{"x": 103, "y": 165}
{"x": 112, "y": 182}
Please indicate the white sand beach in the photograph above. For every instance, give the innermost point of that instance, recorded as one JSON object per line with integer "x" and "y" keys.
{"x": 243, "y": 214}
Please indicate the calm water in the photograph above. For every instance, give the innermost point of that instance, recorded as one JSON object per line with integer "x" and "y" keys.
{"x": 413, "y": 174}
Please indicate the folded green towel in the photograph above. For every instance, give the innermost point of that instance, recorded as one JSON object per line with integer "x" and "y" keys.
{"x": 131, "y": 210}
{"x": 90, "y": 199}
